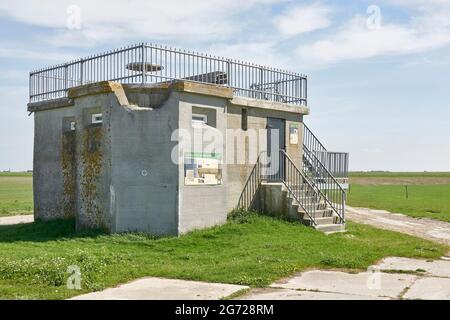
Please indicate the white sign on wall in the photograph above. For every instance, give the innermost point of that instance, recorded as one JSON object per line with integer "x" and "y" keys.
{"x": 293, "y": 133}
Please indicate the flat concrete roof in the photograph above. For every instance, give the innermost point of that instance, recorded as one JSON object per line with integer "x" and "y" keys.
{"x": 178, "y": 85}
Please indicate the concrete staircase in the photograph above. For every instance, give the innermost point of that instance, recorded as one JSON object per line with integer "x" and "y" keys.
{"x": 289, "y": 192}
{"x": 277, "y": 200}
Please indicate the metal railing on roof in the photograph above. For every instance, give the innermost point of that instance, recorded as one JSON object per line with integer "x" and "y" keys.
{"x": 151, "y": 64}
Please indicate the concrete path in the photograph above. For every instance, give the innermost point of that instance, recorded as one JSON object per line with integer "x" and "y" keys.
{"x": 392, "y": 278}
{"x": 164, "y": 289}
{"x": 429, "y": 229}
{"x": 6, "y": 221}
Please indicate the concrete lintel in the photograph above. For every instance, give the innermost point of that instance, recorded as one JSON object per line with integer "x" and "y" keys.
{"x": 99, "y": 88}
{"x": 269, "y": 105}
{"x": 49, "y": 104}
{"x": 147, "y": 88}
{"x": 203, "y": 89}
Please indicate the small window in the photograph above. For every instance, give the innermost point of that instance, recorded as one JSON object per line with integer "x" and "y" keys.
{"x": 244, "y": 121}
{"x": 199, "y": 119}
{"x": 97, "y": 118}
{"x": 73, "y": 126}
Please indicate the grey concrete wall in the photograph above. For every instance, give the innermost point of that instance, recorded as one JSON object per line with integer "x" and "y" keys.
{"x": 48, "y": 173}
{"x": 119, "y": 175}
{"x": 202, "y": 206}
{"x": 257, "y": 120}
{"x": 144, "y": 181}
{"x": 273, "y": 200}
{"x": 93, "y": 158}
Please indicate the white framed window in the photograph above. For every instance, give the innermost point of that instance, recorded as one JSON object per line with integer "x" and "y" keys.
{"x": 97, "y": 118}
{"x": 199, "y": 119}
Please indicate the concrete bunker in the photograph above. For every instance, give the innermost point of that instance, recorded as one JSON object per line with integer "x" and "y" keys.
{"x": 112, "y": 154}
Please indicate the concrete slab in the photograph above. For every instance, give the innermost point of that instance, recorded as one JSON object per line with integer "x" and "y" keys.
{"x": 287, "y": 294}
{"x": 438, "y": 268}
{"x": 429, "y": 289}
{"x": 6, "y": 221}
{"x": 164, "y": 289}
{"x": 375, "y": 284}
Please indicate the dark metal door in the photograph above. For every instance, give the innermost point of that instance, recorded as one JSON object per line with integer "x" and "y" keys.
{"x": 276, "y": 141}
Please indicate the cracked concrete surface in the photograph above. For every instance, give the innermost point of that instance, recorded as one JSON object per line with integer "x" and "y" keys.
{"x": 438, "y": 268}
{"x": 289, "y": 294}
{"x": 374, "y": 284}
{"x": 164, "y": 289}
{"x": 425, "y": 228}
{"x": 429, "y": 289}
{"x": 392, "y": 278}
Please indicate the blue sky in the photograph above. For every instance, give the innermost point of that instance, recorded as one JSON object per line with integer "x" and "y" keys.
{"x": 379, "y": 85}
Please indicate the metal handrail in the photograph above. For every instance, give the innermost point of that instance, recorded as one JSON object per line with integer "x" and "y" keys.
{"x": 293, "y": 177}
{"x": 247, "y": 197}
{"x": 335, "y": 162}
{"x": 326, "y": 183}
{"x": 286, "y": 172}
{"x": 311, "y": 141}
{"x": 155, "y": 64}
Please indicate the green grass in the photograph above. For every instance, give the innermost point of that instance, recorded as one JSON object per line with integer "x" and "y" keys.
{"x": 431, "y": 201}
{"x": 16, "y": 174}
{"x": 250, "y": 250}
{"x": 16, "y": 194}
{"x": 387, "y": 174}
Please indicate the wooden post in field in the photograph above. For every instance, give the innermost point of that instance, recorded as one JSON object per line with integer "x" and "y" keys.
{"x": 407, "y": 193}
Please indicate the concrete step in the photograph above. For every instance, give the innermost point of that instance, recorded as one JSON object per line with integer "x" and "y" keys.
{"x": 320, "y": 221}
{"x": 323, "y": 213}
{"x": 330, "y": 228}
{"x": 319, "y": 205}
{"x": 321, "y": 209}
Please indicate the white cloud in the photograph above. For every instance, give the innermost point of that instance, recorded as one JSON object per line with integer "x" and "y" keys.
{"x": 429, "y": 30}
{"x": 263, "y": 52}
{"x": 8, "y": 51}
{"x": 303, "y": 19}
{"x": 116, "y": 20}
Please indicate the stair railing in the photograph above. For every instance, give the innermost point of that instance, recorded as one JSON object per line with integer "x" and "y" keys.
{"x": 335, "y": 162}
{"x": 298, "y": 186}
{"x": 278, "y": 167}
{"x": 325, "y": 182}
{"x": 311, "y": 141}
{"x": 247, "y": 198}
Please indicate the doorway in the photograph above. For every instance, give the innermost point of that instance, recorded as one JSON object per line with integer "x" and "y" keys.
{"x": 276, "y": 141}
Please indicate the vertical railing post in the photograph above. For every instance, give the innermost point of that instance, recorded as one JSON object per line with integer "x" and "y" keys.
{"x": 81, "y": 72}
{"x": 66, "y": 78}
{"x": 261, "y": 85}
{"x": 30, "y": 88}
{"x": 229, "y": 62}
{"x": 344, "y": 200}
{"x": 144, "y": 60}
{"x": 306, "y": 90}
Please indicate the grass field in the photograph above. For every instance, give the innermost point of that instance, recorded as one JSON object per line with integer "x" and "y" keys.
{"x": 387, "y": 174}
{"x": 403, "y": 178}
{"x": 428, "y": 193}
{"x": 16, "y": 193}
{"x": 431, "y": 201}
{"x": 250, "y": 249}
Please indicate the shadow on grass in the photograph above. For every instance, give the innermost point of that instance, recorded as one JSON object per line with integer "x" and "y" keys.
{"x": 42, "y": 231}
